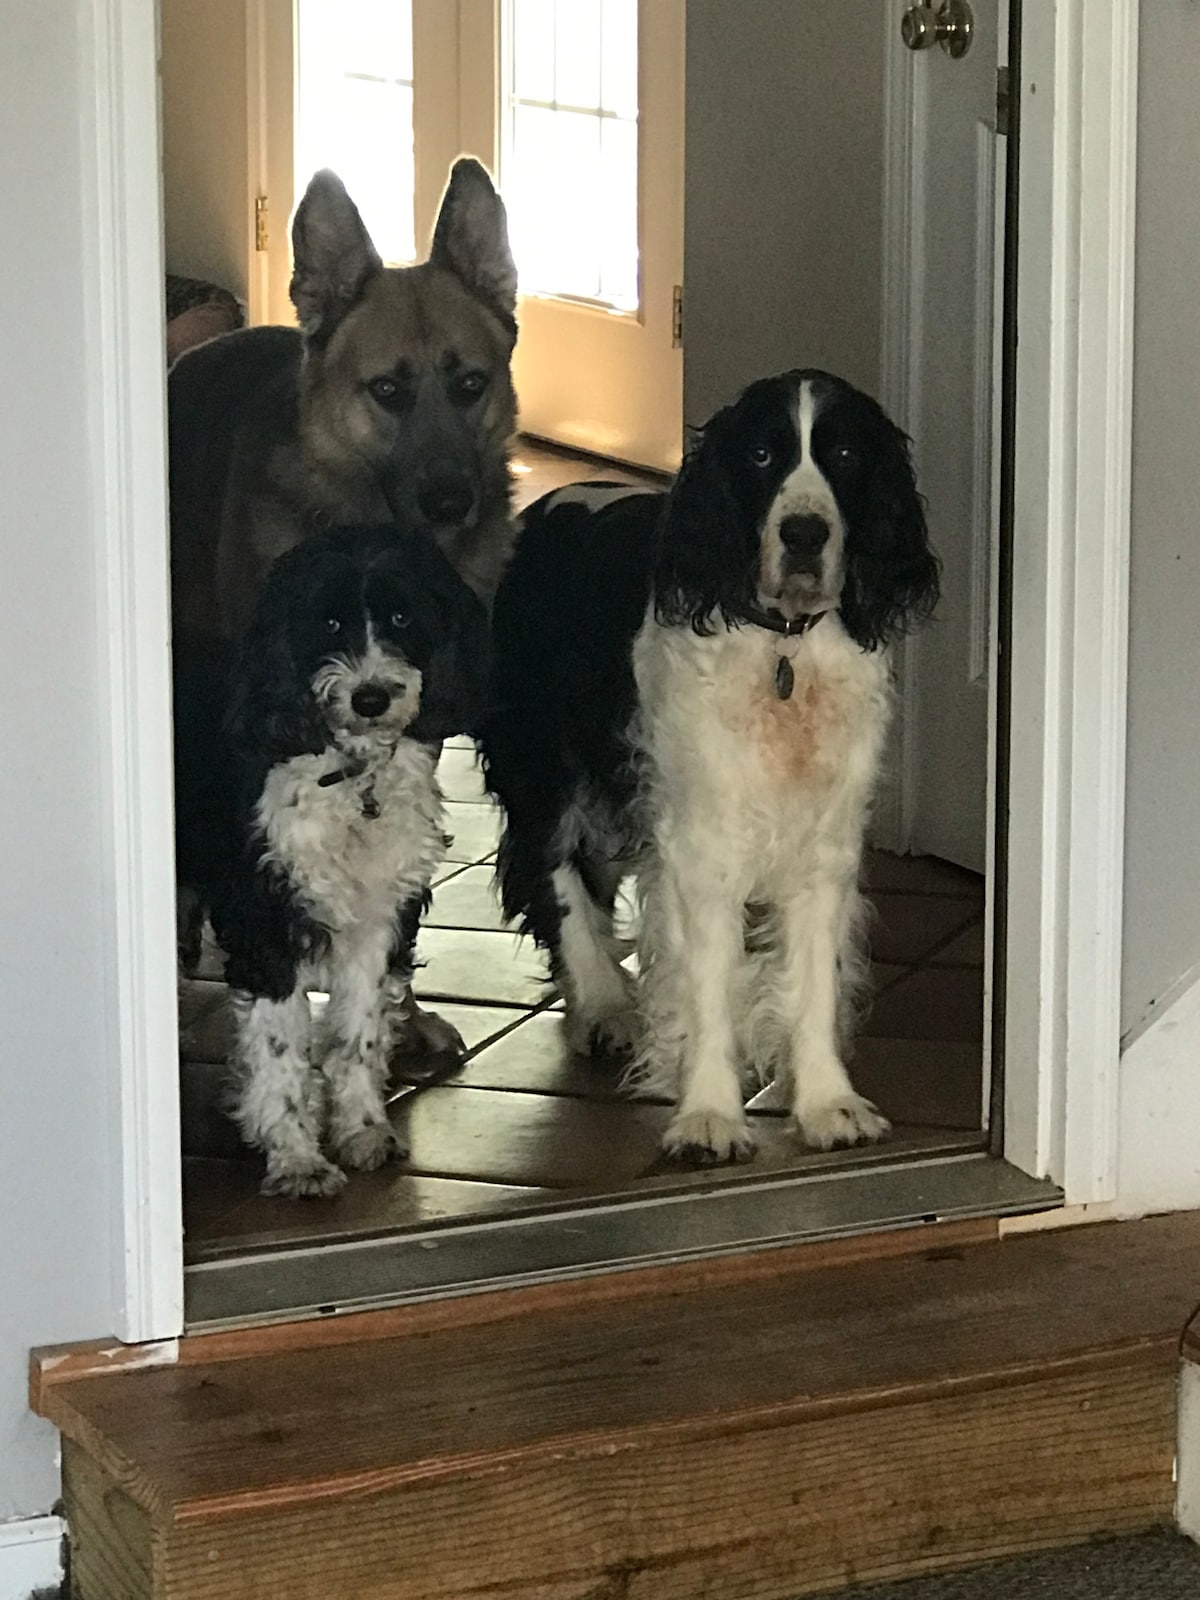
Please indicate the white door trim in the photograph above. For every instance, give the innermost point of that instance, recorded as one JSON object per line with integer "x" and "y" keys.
{"x": 1074, "y": 377}
{"x": 1071, "y": 546}
{"x": 124, "y": 363}
{"x": 1069, "y": 615}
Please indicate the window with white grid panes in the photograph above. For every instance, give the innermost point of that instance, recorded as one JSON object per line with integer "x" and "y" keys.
{"x": 354, "y": 110}
{"x": 569, "y": 147}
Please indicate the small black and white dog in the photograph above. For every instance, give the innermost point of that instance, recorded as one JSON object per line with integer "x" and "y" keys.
{"x": 365, "y": 651}
{"x": 695, "y": 687}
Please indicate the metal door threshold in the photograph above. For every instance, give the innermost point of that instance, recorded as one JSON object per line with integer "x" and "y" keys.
{"x": 643, "y": 1230}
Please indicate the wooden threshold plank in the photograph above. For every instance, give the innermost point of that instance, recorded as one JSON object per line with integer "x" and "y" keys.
{"x": 52, "y": 1365}
{"x": 777, "y": 1350}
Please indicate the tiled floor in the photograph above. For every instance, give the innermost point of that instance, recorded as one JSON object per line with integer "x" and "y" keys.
{"x": 522, "y": 1122}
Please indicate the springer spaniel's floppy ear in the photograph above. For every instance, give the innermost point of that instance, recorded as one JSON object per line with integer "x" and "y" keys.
{"x": 271, "y": 713}
{"x": 455, "y": 678}
{"x": 892, "y": 575}
{"x": 702, "y": 564}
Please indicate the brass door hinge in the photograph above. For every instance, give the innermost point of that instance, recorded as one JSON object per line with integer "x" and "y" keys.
{"x": 1003, "y": 100}
{"x": 261, "y": 234}
{"x": 677, "y": 317}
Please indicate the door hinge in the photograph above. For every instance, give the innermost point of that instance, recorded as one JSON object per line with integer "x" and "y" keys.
{"x": 1003, "y": 100}
{"x": 677, "y": 317}
{"x": 261, "y": 233}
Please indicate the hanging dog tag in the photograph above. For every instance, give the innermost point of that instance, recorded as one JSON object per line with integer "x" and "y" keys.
{"x": 785, "y": 678}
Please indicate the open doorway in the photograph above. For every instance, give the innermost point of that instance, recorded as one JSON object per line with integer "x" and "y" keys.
{"x": 773, "y": 280}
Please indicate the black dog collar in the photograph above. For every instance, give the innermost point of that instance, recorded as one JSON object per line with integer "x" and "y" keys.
{"x": 789, "y": 628}
{"x": 353, "y": 769}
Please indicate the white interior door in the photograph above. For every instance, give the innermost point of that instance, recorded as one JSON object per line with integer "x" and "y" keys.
{"x": 956, "y": 201}
{"x": 590, "y": 143}
{"x": 844, "y": 197}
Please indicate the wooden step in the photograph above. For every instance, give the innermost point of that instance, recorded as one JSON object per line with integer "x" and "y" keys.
{"x": 753, "y": 1430}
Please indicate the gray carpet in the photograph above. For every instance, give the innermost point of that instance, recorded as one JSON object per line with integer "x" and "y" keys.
{"x": 1157, "y": 1566}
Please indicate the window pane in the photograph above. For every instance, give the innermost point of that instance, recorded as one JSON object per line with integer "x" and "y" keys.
{"x": 355, "y": 110}
{"x": 577, "y": 54}
{"x": 570, "y": 156}
{"x": 533, "y": 50}
{"x": 619, "y": 58}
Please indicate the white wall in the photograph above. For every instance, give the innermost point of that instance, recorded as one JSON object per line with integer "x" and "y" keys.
{"x": 779, "y": 136}
{"x": 1162, "y": 860}
{"x": 54, "y": 1230}
{"x": 205, "y": 188}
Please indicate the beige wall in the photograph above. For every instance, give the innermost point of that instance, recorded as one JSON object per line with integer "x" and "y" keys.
{"x": 1162, "y": 857}
{"x": 777, "y": 137}
{"x": 205, "y": 190}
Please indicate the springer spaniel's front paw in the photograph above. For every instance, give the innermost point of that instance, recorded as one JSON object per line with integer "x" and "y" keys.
{"x": 846, "y": 1120}
{"x": 707, "y": 1139}
{"x": 416, "y": 1032}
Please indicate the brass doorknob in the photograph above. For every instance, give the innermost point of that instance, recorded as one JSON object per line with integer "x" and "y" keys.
{"x": 951, "y": 26}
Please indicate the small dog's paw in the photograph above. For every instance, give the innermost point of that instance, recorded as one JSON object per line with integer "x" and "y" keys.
{"x": 613, "y": 1036}
{"x": 315, "y": 1178}
{"x": 369, "y": 1147}
{"x": 847, "y": 1120}
{"x": 416, "y": 1032}
{"x": 707, "y": 1138}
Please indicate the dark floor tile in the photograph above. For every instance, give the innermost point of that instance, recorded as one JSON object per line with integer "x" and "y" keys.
{"x": 534, "y": 1057}
{"x": 936, "y": 1003}
{"x": 388, "y": 1201}
{"x": 209, "y": 1036}
{"x": 468, "y": 900}
{"x": 905, "y": 928}
{"x": 213, "y": 1190}
{"x": 206, "y": 1128}
{"x": 464, "y": 964}
{"x": 921, "y": 1082}
{"x": 474, "y": 831}
{"x": 920, "y": 875}
{"x": 531, "y": 1140}
{"x": 476, "y": 1023}
{"x": 965, "y": 951}
{"x": 460, "y": 777}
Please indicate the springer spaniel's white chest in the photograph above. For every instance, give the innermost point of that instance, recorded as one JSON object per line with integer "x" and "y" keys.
{"x": 354, "y": 850}
{"x": 714, "y": 723}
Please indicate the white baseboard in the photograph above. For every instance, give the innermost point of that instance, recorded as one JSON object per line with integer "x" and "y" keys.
{"x": 1159, "y": 1145}
{"x": 30, "y": 1556}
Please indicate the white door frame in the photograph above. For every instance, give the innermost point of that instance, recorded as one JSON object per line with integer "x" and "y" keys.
{"x": 1071, "y": 557}
{"x": 1069, "y": 625}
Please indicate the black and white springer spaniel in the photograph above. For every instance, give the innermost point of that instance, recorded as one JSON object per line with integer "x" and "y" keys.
{"x": 365, "y": 651}
{"x": 696, "y": 687}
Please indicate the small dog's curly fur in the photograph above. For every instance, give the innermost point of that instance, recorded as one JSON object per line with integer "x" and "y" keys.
{"x": 695, "y": 687}
{"x": 365, "y": 651}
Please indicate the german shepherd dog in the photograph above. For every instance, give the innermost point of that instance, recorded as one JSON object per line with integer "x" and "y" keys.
{"x": 391, "y": 403}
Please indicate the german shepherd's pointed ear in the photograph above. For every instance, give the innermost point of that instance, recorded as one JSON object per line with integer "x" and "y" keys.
{"x": 333, "y": 254}
{"x": 470, "y": 240}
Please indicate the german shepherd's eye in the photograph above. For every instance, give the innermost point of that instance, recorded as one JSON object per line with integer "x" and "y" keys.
{"x": 762, "y": 455}
{"x": 400, "y": 619}
{"x": 469, "y": 386}
{"x": 383, "y": 389}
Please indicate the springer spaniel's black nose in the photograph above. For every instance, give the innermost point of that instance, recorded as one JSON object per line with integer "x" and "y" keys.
{"x": 370, "y": 700}
{"x": 804, "y": 537}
